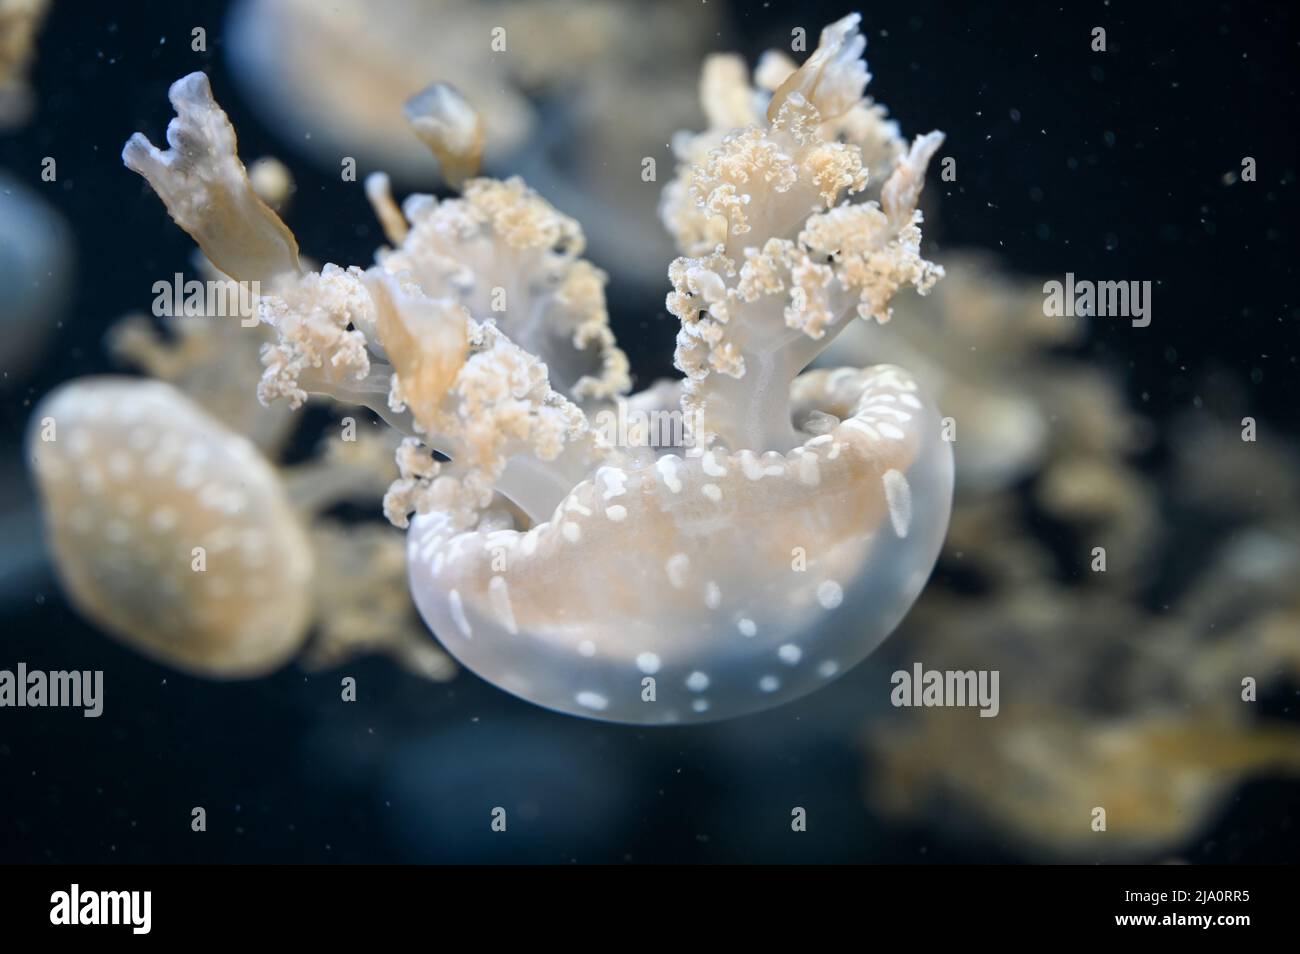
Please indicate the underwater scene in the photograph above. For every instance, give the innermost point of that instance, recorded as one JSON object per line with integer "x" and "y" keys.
{"x": 648, "y": 431}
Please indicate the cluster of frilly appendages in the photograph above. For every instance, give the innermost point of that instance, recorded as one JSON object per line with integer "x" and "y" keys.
{"x": 625, "y": 580}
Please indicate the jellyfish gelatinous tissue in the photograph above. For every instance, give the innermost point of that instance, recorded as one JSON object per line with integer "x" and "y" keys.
{"x": 774, "y": 545}
{"x": 119, "y": 484}
{"x": 178, "y": 535}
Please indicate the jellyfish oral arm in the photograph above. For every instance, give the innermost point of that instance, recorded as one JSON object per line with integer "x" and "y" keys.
{"x": 750, "y": 327}
{"x": 206, "y": 189}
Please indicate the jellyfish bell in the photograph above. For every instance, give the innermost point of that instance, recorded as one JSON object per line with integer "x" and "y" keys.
{"x": 167, "y": 529}
{"x": 704, "y": 586}
{"x": 573, "y": 99}
{"x": 36, "y": 272}
{"x": 333, "y": 77}
{"x": 20, "y": 23}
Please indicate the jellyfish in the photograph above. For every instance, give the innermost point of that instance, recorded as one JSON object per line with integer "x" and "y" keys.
{"x": 685, "y": 581}
{"x": 578, "y": 102}
{"x": 1113, "y": 706}
{"x": 177, "y": 536}
{"x": 20, "y": 21}
{"x": 37, "y": 266}
{"x": 304, "y": 69}
{"x": 1159, "y": 776}
{"x": 36, "y": 269}
{"x": 1145, "y": 713}
{"x": 170, "y": 529}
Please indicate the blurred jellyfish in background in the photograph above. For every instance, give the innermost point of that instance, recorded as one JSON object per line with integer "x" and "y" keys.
{"x": 20, "y": 22}
{"x": 332, "y": 77}
{"x": 170, "y": 531}
{"x": 172, "y": 528}
{"x": 1104, "y": 705}
{"x": 574, "y": 100}
{"x": 36, "y": 271}
{"x": 1121, "y": 681}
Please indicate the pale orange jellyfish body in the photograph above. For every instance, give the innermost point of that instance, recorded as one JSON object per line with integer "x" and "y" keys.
{"x": 171, "y": 531}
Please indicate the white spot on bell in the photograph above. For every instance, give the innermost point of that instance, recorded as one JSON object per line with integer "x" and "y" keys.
{"x": 830, "y": 594}
{"x": 677, "y": 568}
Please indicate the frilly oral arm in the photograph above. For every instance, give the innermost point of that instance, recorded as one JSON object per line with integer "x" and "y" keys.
{"x": 507, "y": 254}
{"x": 504, "y": 252}
{"x": 832, "y": 78}
{"x": 451, "y": 128}
{"x": 450, "y": 384}
{"x": 381, "y": 339}
{"x": 795, "y": 259}
{"x": 505, "y": 429}
{"x": 206, "y": 189}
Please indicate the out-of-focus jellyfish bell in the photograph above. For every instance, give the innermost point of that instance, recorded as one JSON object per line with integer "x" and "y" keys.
{"x": 333, "y": 77}
{"x": 20, "y": 21}
{"x": 36, "y": 267}
{"x": 169, "y": 530}
{"x": 573, "y": 100}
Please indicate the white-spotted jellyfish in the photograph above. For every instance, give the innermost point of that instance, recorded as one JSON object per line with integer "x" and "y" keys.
{"x": 172, "y": 532}
{"x": 706, "y": 548}
{"x": 176, "y": 535}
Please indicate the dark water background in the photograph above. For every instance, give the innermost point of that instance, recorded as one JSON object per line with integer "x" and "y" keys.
{"x": 1108, "y": 166}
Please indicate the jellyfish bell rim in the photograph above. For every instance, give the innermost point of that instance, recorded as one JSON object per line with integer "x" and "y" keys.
{"x": 878, "y": 589}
